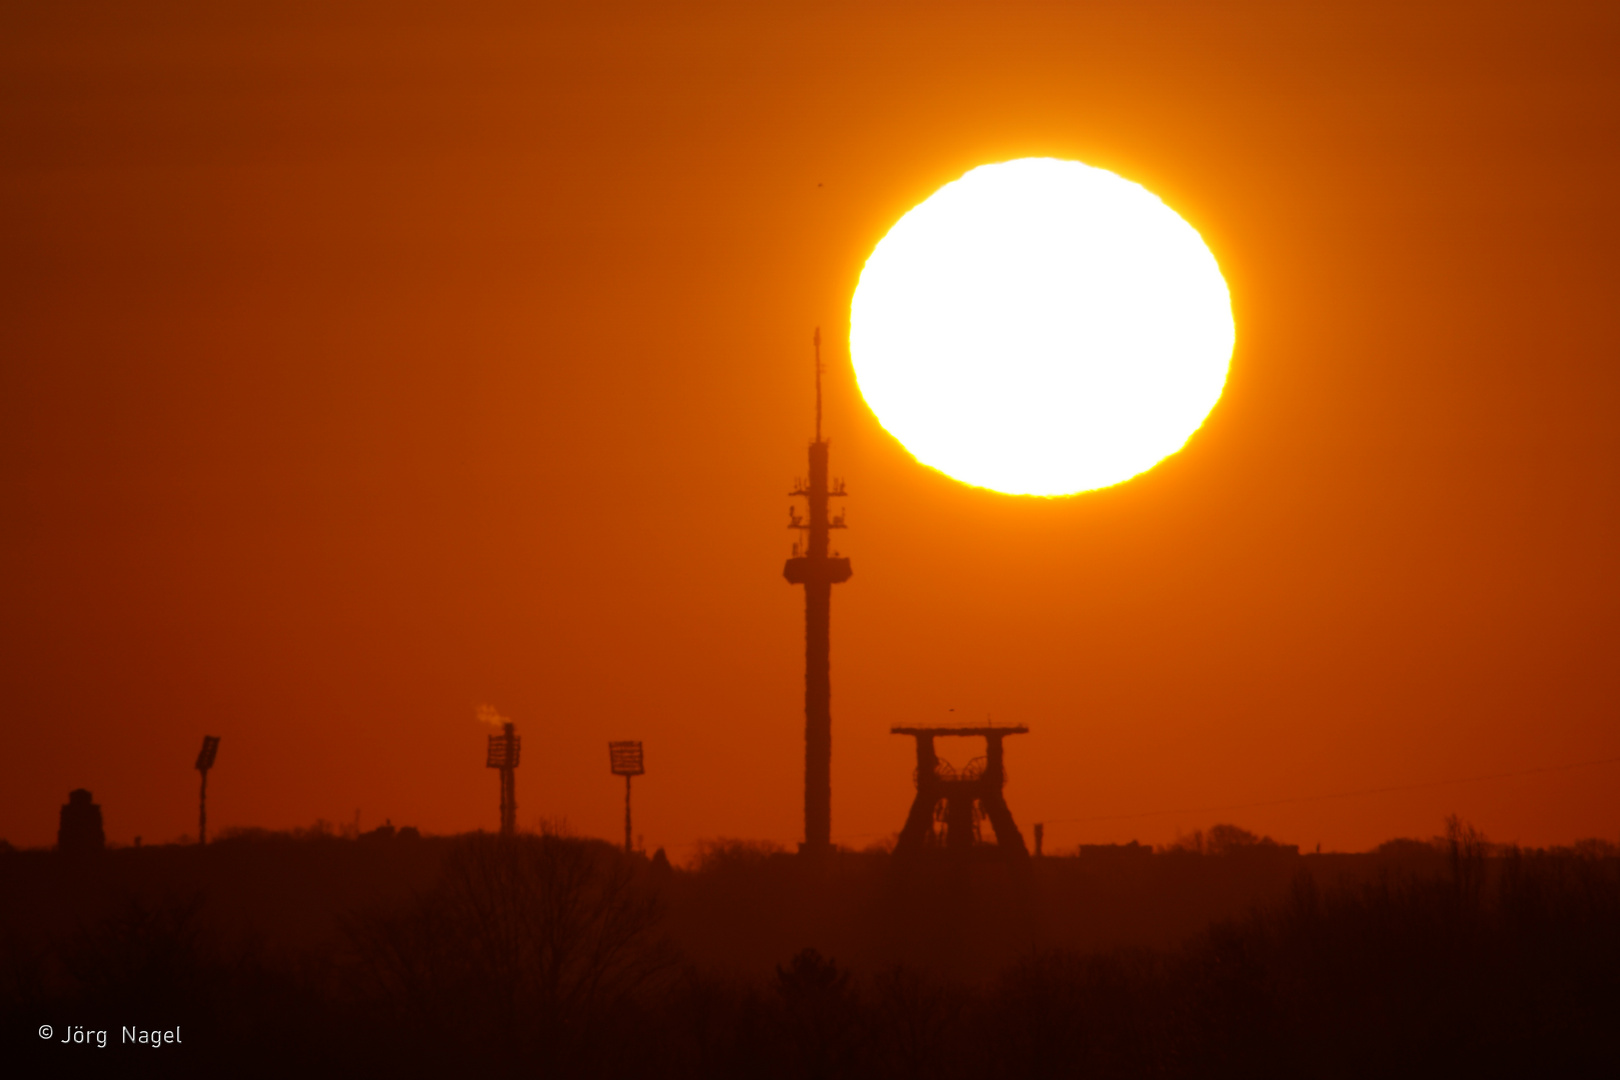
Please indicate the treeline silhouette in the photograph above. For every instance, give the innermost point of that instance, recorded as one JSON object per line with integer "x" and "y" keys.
{"x": 551, "y": 955}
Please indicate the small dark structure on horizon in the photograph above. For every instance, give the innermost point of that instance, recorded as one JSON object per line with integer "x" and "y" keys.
{"x": 624, "y": 758}
{"x": 79, "y": 831}
{"x": 940, "y": 787}
{"x": 205, "y": 761}
{"x": 504, "y": 750}
{"x": 818, "y": 571}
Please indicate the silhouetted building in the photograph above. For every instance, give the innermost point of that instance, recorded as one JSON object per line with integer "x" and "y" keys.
{"x": 1115, "y": 851}
{"x": 818, "y": 571}
{"x": 80, "y": 829}
{"x": 959, "y": 799}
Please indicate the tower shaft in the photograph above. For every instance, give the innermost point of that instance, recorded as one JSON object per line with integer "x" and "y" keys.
{"x": 818, "y": 665}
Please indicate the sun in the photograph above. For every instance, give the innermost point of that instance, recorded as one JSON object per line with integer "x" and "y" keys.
{"x": 1041, "y": 327}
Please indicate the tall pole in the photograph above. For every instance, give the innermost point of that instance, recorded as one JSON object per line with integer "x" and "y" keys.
{"x": 205, "y": 761}
{"x": 624, "y": 758}
{"x": 503, "y": 755}
{"x": 509, "y": 782}
{"x": 818, "y": 571}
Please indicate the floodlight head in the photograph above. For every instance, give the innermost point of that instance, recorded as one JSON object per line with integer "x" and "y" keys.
{"x": 205, "y": 756}
{"x": 625, "y": 758}
{"x": 504, "y": 750}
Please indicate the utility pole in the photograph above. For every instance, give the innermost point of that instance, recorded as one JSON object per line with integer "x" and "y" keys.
{"x": 818, "y": 571}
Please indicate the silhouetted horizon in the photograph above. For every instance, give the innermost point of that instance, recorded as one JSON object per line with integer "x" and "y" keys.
{"x": 1230, "y": 953}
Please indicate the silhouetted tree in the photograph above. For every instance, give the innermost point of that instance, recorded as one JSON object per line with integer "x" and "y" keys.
{"x": 821, "y": 1019}
{"x": 917, "y": 1018}
{"x": 520, "y": 949}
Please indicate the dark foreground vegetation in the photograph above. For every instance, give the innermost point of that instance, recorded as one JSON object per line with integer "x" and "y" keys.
{"x": 555, "y": 956}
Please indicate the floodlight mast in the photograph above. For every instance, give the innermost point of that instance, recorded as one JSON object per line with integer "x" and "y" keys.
{"x": 205, "y": 761}
{"x": 504, "y": 750}
{"x": 818, "y": 570}
{"x": 625, "y": 759}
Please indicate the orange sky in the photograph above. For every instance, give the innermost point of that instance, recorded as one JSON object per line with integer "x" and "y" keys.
{"x": 362, "y": 363}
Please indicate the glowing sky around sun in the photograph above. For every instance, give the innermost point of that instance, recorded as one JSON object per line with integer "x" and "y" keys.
{"x": 1041, "y": 327}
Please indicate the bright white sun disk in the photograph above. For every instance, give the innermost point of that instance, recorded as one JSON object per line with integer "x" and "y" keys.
{"x": 1041, "y": 327}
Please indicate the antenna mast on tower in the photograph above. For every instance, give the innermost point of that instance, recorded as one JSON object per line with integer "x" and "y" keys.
{"x": 817, "y": 340}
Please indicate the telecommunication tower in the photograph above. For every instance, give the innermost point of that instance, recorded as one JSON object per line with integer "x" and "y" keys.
{"x": 503, "y": 755}
{"x": 205, "y": 761}
{"x": 818, "y": 570}
{"x": 624, "y": 758}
